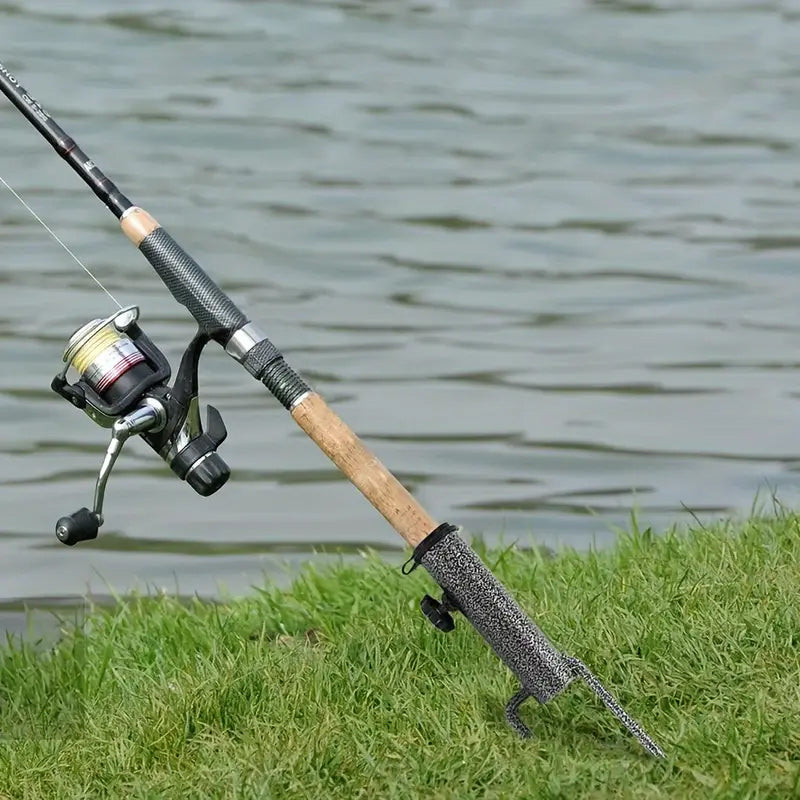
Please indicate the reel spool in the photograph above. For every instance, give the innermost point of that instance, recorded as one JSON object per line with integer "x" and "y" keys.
{"x": 103, "y": 354}
{"x": 123, "y": 385}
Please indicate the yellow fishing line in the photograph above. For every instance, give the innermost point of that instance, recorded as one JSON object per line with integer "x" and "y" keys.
{"x": 104, "y": 338}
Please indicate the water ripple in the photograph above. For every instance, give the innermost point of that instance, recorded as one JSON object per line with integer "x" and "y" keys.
{"x": 543, "y": 259}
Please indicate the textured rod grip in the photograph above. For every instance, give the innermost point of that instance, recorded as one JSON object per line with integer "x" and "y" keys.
{"x": 265, "y": 362}
{"x": 542, "y": 670}
{"x": 215, "y": 312}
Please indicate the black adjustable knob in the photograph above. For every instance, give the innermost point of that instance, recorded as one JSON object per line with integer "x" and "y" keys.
{"x": 208, "y": 475}
{"x": 78, "y": 527}
{"x": 198, "y": 463}
{"x": 437, "y": 613}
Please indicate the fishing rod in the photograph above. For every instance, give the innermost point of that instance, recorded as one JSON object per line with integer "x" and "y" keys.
{"x": 123, "y": 384}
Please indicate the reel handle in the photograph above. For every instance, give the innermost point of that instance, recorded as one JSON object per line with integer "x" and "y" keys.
{"x": 84, "y": 524}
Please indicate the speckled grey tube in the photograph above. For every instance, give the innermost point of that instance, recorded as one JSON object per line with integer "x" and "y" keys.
{"x": 471, "y": 588}
{"x": 469, "y": 585}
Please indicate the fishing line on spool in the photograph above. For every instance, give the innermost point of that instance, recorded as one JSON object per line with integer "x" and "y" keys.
{"x": 56, "y": 237}
{"x": 102, "y": 354}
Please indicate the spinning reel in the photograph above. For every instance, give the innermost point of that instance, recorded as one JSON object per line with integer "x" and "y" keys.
{"x": 123, "y": 385}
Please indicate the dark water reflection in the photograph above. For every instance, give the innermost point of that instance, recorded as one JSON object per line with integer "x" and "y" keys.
{"x": 542, "y": 256}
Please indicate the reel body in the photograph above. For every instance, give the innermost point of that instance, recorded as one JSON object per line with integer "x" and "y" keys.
{"x": 123, "y": 385}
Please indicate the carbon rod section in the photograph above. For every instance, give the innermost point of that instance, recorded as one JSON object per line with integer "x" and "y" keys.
{"x": 216, "y": 314}
{"x": 63, "y": 144}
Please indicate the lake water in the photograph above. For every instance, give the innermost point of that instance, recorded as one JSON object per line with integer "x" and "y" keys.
{"x": 543, "y": 256}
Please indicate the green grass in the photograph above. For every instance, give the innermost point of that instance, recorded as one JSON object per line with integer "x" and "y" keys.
{"x": 338, "y": 688}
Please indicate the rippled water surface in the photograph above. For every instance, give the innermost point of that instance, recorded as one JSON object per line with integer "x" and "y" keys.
{"x": 543, "y": 256}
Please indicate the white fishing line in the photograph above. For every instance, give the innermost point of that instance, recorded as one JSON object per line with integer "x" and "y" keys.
{"x": 55, "y": 236}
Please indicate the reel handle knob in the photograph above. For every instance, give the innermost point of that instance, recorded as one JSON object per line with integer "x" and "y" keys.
{"x": 78, "y": 527}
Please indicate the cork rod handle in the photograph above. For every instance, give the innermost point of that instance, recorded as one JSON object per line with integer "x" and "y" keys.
{"x": 363, "y": 469}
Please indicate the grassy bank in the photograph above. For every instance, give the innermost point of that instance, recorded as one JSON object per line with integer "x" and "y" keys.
{"x": 339, "y": 688}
